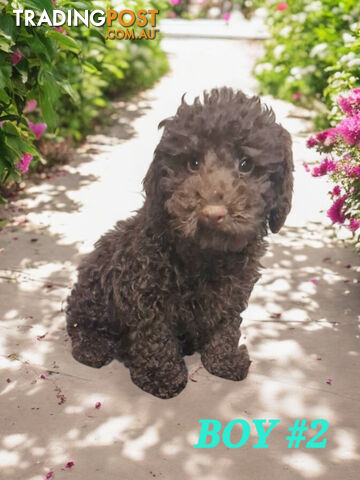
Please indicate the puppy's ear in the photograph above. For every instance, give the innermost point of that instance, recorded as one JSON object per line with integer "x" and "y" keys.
{"x": 283, "y": 186}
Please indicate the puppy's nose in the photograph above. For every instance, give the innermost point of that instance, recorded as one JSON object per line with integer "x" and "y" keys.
{"x": 213, "y": 213}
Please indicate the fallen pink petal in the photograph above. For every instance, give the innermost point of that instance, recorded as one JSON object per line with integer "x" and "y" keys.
{"x": 20, "y": 219}
{"x": 315, "y": 281}
{"x": 329, "y": 381}
{"x": 97, "y": 404}
{"x": 69, "y": 464}
{"x": 61, "y": 397}
{"x": 275, "y": 315}
{"x": 49, "y": 475}
{"x": 41, "y": 337}
{"x": 42, "y": 376}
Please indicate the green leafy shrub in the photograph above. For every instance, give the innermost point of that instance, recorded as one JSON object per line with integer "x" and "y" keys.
{"x": 55, "y": 80}
{"x": 309, "y": 42}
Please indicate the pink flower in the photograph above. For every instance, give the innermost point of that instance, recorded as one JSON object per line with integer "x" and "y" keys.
{"x": 61, "y": 30}
{"x": 30, "y": 106}
{"x": 37, "y": 128}
{"x": 352, "y": 171}
{"x": 226, "y": 16}
{"x": 335, "y": 212}
{"x": 336, "y": 191}
{"x": 349, "y": 129}
{"x": 327, "y": 137}
{"x": 16, "y": 57}
{"x": 306, "y": 166}
{"x": 345, "y": 105}
{"x": 175, "y": 2}
{"x": 311, "y": 142}
{"x": 325, "y": 167}
{"x": 297, "y": 96}
{"x": 282, "y": 6}
{"x": 354, "y": 224}
{"x": 350, "y": 105}
{"x": 24, "y": 163}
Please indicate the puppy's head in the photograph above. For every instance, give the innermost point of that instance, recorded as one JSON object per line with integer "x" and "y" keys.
{"x": 222, "y": 171}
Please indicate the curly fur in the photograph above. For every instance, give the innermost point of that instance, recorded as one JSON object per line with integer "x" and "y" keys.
{"x": 173, "y": 280}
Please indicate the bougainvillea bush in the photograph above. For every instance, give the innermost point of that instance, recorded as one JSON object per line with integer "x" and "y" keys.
{"x": 339, "y": 147}
{"x": 310, "y": 43}
{"x": 53, "y": 81}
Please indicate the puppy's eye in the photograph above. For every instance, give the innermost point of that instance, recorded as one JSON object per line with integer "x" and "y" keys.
{"x": 246, "y": 164}
{"x": 193, "y": 164}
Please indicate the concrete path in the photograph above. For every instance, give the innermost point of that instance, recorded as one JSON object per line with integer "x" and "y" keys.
{"x": 300, "y": 331}
{"x": 236, "y": 28}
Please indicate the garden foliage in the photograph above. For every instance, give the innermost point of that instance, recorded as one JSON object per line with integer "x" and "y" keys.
{"x": 339, "y": 147}
{"x": 54, "y": 80}
{"x": 314, "y": 54}
{"x": 313, "y": 50}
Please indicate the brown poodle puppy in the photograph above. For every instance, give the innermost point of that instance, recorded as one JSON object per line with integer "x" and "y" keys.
{"x": 173, "y": 279}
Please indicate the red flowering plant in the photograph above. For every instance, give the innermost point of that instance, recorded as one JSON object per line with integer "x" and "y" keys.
{"x": 340, "y": 161}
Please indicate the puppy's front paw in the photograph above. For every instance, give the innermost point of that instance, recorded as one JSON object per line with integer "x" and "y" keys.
{"x": 94, "y": 351}
{"x": 161, "y": 384}
{"x": 230, "y": 366}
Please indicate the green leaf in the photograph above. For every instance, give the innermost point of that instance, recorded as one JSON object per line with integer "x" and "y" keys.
{"x": 80, "y": 5}
{"x": 94, "y": 32}
{"x": 7, "y": 27}
{"x": 11, "y": 118}
{"x": 90, "y": 68}
{"x": 41, "y": 45}
{"x": 3, "y": 95}
{"x": 47, "y": 107}
{"x": 5, "y": 45}
{"x": 64, "y": 41}
{"x": 114, "y": 70}
{"x": 69, "y": 90}
{"x": 20, "y": 146}
{"x": 11, "y": 129}
{"x": 39, "y": 4}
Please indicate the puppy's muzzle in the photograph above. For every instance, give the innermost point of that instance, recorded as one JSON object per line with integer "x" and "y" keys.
{"x": 213, "y": 215}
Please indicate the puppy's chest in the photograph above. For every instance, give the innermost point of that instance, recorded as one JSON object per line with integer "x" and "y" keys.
{"x": 204, "y": 289}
